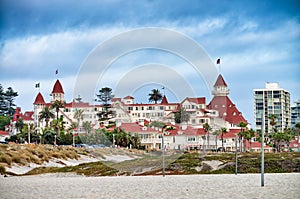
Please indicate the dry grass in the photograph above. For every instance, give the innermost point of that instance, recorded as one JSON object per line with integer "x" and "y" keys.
{"x": 38, "y": 154}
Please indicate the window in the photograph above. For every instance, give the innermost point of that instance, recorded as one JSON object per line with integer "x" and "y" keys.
{"x": 191, "y": 139}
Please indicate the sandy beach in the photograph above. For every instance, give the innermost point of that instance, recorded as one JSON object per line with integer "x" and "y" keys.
{"x": 192, "y": 186}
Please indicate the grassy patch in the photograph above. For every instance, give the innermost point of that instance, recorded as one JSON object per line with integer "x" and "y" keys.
{"x": 87, "y": 169}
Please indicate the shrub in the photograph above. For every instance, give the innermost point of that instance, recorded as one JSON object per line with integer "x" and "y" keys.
{"x": 5, "y": 158}
{"x": 2, "y": 170}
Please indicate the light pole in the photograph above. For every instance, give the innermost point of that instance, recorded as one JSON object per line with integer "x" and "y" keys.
{"x": 73, "y": 139}
{"x": 28, "y": 132}
{"x": 262, "y": 150}
{"x": 113, "y": 140}
{"x": 236, "y": 155}
{"x": 163, "y": 152}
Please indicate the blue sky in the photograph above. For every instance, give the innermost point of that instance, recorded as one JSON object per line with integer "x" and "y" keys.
{"x": 257, "y": 41}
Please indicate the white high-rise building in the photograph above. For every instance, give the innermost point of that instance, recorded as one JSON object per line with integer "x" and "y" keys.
{"x": 272, "y": 100}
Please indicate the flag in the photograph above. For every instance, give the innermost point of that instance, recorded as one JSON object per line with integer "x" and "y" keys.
{"x": 218, "y": 61}
{"x": 37, "y": 85}
{"x": 56, "y": 72}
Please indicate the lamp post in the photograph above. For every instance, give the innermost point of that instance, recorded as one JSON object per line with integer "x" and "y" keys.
{"x": 28, "y": 132}
{"x": 113, "y": 140}
{"x": 163, "y": 152}
{"x": 262, "y": 150}
{"x": 236, "y": 155}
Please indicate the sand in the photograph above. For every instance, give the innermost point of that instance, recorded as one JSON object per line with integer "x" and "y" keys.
{"x": 193, "y": 186}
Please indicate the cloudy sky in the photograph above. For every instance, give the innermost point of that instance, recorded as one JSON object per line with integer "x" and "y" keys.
{"x": 258, "y": 41}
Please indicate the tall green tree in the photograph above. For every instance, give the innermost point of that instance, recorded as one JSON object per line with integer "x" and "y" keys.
{"x": 241, "y": 135}
{"x": 104, "y": 97}
{"x": 155, "y": 96}
{"x": 7, "y": 105}
{"x": 46, "y": 115}
{"x": 248, "y": 136}
{"x": 216, "y": 133}
{"x": 207, "y": 130}
{"x": 56, "y": 105}
{"x": 19, "y": 125}
{"x": 78, "y": 115}
{"x": 223, "y": 131}
{"x": 3, "y": 104}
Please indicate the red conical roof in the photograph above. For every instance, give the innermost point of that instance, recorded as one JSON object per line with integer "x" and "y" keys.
{"x": 220, "y": 81}
{"x": 39, "y": 99}
{"x": 164, "y": 100}
{"x": 57, "y": 87}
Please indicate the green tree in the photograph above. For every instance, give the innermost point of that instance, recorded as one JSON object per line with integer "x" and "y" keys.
{"x": 7, "y": 106}
{"x": 155, "y": 96}
{"x": 10, "y": 96}
{"x": 207, "y": 129}
{"x": 4, "y": 120}
{"x": 2, "y": 102}
{"x": 241, "y": 134}
{"x": 78, "y": 115}
{"x": 181, "y": 116}
{"x": 223, "y": 131}
{"x": 104, "y": 97}
{"x": 87, "y": 126}
{"x": 249, "y": 135}
{"x": 57, "y": 104}
{"x": 20, "y": 125}
{"x": 273, "y": 121}
{"x": 46, "y": 115}
{"x": 216, "y": 133}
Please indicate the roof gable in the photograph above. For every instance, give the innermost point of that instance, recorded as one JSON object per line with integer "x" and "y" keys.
{"x": 57, "y": 88}
{"x": 39, "y": 99}
{"x": 220, "y": 81}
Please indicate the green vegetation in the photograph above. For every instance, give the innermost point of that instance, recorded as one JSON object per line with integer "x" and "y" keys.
{"x": 87, "y": 169}
{"x": 144, "y": 163}
{"x": 7, "y": 106}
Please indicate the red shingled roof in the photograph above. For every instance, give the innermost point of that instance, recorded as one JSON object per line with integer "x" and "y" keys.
{"x": 4, "y": 133}
{"x": 223, "y": 104}
{"x": 57, "y": 88}
{"x": 128, "y": 97}
{"x": 135, "y": 128}
{"x": 164, "y": 100}
{"x": 39, "y": 99}
{"x": 220, "y": 81}
{"x": 198, "y": 100}
{"x": 189, "y": 131}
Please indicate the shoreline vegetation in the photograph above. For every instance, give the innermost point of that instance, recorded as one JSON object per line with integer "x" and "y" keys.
{"x": 30, "y": 159}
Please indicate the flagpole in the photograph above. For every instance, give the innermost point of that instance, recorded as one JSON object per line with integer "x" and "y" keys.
{"x": 219, "y": 63}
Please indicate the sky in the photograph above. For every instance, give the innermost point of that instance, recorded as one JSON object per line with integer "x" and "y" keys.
{"x": 258, "y": 41}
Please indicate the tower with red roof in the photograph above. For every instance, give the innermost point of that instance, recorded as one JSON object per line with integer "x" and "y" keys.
{"x": 57, "y": 92}
{"x": 39, "y": 104}
{"x": 227, "y": 110}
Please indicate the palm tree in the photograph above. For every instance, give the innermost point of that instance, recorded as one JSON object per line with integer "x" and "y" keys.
{"x": 216, "y": 133}
{"x": 155, "y": 96}
{"x": 243, "y": 125}
{"x": 249, "y": 135}
{"x": 207, "y": 128}
{"x": 273, "y": 121}
{"x": 78, "y": 115}
{"x": 46, "y": 115}
{"x": 57, "y": 105}
{"x": 223, "y": 131}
